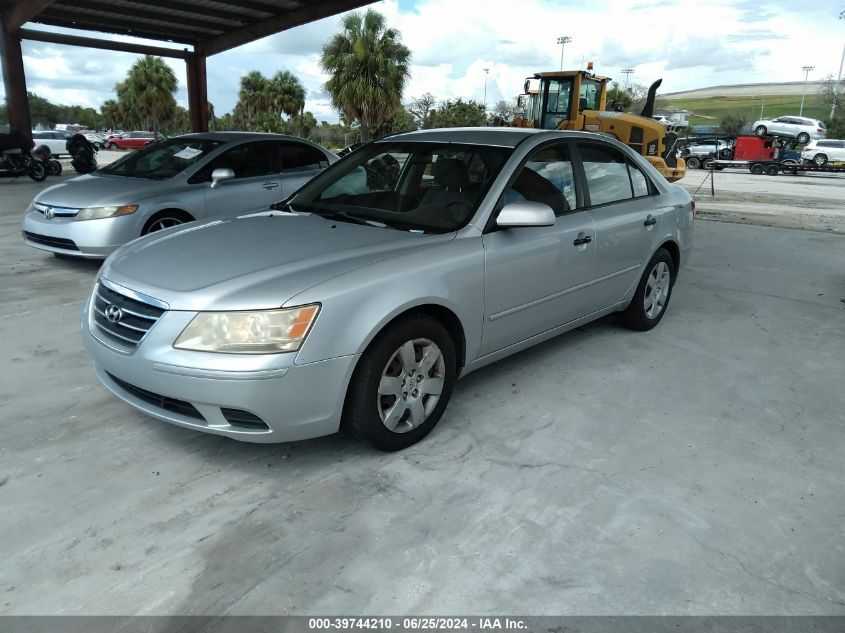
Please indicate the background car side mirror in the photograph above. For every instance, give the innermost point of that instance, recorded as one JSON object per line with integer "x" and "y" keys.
{"x": 524, "y": 213}
{"x": 219, "y": 175}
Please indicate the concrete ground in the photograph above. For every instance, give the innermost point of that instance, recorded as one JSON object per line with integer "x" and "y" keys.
{"x": 695, "y": 469}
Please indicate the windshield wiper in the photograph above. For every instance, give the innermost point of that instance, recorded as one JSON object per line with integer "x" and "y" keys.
{"x": 343, "y": 216}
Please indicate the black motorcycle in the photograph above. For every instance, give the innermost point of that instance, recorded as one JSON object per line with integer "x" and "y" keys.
{"x": 16, "y": 158}
{"x": 83, "y": 153}
{"x": 43, "y": 153}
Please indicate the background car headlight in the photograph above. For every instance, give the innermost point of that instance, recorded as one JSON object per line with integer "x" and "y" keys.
{"x": 258, "y": 332}
{"x": 96, "y": 213}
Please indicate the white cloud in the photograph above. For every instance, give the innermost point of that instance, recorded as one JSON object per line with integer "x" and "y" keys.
{"x": 689, "y": 43}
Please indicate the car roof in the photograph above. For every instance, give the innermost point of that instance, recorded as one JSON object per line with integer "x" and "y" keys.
{"x": 500, "y": 136}
{"x": 227, "y": 137}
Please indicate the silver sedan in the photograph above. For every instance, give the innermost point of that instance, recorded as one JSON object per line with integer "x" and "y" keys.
{"x": 191, "y": 177}
{"x": 360, "y": 300}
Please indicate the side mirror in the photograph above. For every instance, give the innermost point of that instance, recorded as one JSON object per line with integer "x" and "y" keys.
{"x": 520, "y": 101}
{"x": 524, "y": 213}
{"x": 219, "y": 175}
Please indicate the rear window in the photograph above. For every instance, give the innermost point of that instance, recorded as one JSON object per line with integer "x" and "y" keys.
{"x": 821, "y": 124}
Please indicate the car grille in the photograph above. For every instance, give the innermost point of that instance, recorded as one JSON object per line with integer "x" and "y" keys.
{"x": 55, "y": 242}
{"x": 162, "y": 402}
{"x": 134, "y": 321}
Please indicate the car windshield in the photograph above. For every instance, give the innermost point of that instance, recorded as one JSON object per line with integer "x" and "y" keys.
{"x": 162, "y": 160}
{"x": 428, "y": 187}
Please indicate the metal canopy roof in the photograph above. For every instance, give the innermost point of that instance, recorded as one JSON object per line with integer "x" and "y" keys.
{"x": 211, "y": 26}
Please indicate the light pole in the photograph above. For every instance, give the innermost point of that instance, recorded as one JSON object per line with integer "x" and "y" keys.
{"x": 806, "y": 70}
{"x": 626, "y": 72}
{"x": 838, "y": 77}
{"x": 486, "y": 72}
{"x": 563, "y": 40}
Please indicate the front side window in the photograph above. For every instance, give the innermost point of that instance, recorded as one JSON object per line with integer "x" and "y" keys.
{"x": 548, "y": 178}
{"x": 161, "y": 161}
{"x": 416, "y": 186}
{"x": 249, "y": 160}
{"x": 606, "y": 171}
{"x": 299, "y": 157}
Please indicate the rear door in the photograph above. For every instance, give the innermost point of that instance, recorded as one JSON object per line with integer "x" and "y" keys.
{"x": 255, "y": 185}
{"x": 299, "y": 163}
{"x": 626, "y": 209}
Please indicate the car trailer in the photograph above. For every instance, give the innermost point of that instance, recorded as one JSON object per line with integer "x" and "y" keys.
{"x": 773, "y": 167}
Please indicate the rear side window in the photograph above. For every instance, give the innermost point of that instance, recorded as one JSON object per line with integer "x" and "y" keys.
{"x": 300, "y": 157}
{"x": 639, "y": 182}
{"x": 606, "y": 171}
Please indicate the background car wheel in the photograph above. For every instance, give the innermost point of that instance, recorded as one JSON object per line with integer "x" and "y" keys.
{"x": 708, "y": 163}
{"x": 803, "y": 138}
{"x": 757, "y": 169}
{"x": 820, "y": 159}
{"x": 760, "y": 130}
{"x": 693, "y": 162}
{"x": 54, "y": 167}
{"x": 771, "y": 170}
{"x": 164, "y": 220}
{"x": 652, "y": 295}
{"x": 402, "y": 384}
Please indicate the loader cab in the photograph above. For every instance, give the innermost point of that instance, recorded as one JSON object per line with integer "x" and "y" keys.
{"x": 558, "y": 99}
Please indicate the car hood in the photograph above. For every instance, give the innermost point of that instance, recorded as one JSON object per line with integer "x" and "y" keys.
{"x": 95, "y": 190}
{"x": 257, "y": 261}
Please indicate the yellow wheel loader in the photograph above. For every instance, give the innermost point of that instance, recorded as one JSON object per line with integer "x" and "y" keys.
{"x": 577, "y": 100}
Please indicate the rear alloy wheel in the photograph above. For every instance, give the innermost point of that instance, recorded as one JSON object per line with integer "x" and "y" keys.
{"x": 803, "y": 138}
{"x": 693, "y": 162}
{"x": 402, "y": 384}
{"x": 820, "y": 159}
{"x": 652, "y": 295}
{"x": 760, "y": 130}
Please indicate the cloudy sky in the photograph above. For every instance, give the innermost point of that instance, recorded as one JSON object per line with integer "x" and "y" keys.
{"x": 689, "y": 43}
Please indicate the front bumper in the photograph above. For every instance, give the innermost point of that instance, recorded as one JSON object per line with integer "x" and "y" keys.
{"x": 91, "y": 239}
{"x": 276, "y": 400}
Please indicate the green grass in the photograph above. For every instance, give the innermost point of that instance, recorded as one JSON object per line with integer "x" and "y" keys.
{"x": 773, "y": 106}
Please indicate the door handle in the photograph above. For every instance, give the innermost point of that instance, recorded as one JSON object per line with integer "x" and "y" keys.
{"x": 582, "y": 240}
{"x": 650, "y": 221}
{"x": 269, "y": 185}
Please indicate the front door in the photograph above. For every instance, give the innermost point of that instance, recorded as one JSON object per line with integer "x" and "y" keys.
{"x": 256, "y": 184}
{"x": 539, "y": 278}
{"x": 299, "y": 164}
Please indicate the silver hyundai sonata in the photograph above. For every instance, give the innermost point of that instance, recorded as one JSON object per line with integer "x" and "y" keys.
{"x": 186, "y": 178}
{"x": 357, "y": 302}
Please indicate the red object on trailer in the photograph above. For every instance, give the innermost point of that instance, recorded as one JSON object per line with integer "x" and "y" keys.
{"x": 755, "y": 148}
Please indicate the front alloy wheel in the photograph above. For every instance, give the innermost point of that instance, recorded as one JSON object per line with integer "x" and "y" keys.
{"x": 402, "y": 383}
{"x": 410, "y": 385}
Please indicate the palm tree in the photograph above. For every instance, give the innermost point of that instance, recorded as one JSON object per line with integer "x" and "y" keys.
{"x": 368, "y": 68}
{"x": 254, "y": 94}
{"x": 151, "y": 84}
{"x": 288, "y": 95}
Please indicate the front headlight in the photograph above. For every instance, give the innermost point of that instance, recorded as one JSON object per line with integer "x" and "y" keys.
{"x": 97, "y": 213}
{"x": 258, "y": 332}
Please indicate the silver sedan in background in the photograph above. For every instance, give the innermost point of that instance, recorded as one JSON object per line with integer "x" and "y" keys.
{"x": 360, "y": 300}
{"x": 179, "y": 180}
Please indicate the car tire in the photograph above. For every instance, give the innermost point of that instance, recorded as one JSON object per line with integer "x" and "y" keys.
{"x": 386, "y": 390}
{"x": 651, "y": 299}
{"x": 760, "y": 130}
{"x": 165, "y": 219}
{"x": 757, "y": 169}
{"x": 803, "y": 138}
{"x": 37, "y": 171}
{"x": 54, "y": 168}
{"x": 693, "y": 162}
{"x": 820, "y": 160}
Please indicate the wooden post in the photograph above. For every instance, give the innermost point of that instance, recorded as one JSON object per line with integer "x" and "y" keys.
{"x": 14, "y": 81}
{"x": 197, "y": 91}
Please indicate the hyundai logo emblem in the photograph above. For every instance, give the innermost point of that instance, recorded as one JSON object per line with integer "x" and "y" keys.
{"x": 113, "y": 313}
{"x": 49, "y": 213}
